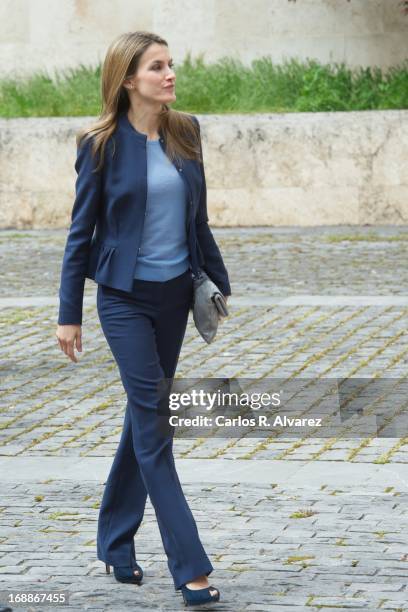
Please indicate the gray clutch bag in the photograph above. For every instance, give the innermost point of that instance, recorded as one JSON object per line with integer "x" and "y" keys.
{"x": 208, "y": 301}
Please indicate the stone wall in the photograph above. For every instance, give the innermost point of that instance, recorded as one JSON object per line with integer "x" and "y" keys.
{"x": 48, "y": 34}
{"x": 265, "y": 169}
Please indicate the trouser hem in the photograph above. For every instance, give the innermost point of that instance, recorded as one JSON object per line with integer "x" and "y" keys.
{"x": 116, "y": 560}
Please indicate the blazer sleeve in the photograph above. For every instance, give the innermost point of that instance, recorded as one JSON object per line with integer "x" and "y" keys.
{"x": 83, "y": 221}
{"x": 213, "y": 263}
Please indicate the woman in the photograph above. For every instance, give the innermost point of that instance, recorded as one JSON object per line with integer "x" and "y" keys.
{"x": 140, "y": 230}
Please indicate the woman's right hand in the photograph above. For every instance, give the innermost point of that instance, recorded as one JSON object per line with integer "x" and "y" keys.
{"x": 68, "y": 336}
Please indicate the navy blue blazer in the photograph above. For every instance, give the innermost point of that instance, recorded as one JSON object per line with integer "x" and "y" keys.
{"x": 108, "y": 214}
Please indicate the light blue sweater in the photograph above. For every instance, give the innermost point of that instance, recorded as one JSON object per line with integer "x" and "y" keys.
{"x": 164, "y": 251}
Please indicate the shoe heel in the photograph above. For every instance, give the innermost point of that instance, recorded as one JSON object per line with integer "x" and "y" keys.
{"x": 107, "y": 567}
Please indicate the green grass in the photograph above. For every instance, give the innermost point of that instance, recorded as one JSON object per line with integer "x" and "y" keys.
{"x": 225, "y": 86}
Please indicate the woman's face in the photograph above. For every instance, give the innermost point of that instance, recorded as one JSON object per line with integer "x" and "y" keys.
{"x": 154, "y": 76}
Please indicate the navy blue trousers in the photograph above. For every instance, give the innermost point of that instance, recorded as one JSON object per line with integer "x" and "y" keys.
{"x": 145, "y": 329}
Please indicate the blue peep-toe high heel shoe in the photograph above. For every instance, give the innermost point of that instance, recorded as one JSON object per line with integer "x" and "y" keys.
{"x": 198, "y": 597}
{"x": 126, "y": 574}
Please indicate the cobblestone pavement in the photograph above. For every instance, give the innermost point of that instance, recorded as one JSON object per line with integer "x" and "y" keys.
{"x": 284, "y": 549}
{"x": 295, "y": 312}
{"x": 327, "y": 260}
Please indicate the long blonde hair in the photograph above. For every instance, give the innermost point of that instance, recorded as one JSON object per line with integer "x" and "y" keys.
{"x": 121, "y": 62}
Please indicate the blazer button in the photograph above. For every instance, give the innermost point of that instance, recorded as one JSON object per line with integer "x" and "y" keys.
{"x": 181, "y": 169}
